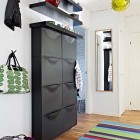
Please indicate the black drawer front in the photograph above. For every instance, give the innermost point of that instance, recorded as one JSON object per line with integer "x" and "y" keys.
{"x": 36, "y": 41}
{"x": 51, "y": 126}
{"x": 69, "y": 117}
{"x": 51, "y": 98}
{"x": 69, "y": 94}
{"x": 51, "y": 71}
{"x": 51, "y": 43}
{"x": 36, "y": 71}
{"x": 68, "y": 47}
{"x": 36, "y": 112}
{"x": 68, "y": 71}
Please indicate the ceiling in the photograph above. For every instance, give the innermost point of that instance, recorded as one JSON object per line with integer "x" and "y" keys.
{"x": 96, "y": 5}
{"x": 99, "y": 5}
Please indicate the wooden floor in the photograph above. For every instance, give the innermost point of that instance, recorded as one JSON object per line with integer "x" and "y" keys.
{"x": 86, "y": 122}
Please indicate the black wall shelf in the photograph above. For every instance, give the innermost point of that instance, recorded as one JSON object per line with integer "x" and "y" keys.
{"x": 106, "y": 40}
{"x": 39, "y": 7}
{"x": 55, "y": 28}
{"x": 76, "y": 7}
{"x": 108, "y": 32}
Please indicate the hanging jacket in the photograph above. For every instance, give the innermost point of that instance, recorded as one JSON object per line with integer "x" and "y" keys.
{"x": 78, "y": 77}
{"x": 12, "y": 14}
{"x": 110, "y": 73}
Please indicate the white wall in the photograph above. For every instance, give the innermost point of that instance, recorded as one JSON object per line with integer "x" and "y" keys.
{"x": 105, "y": 103}
{"x": 122, "y": 25}
{"x": 128, "y": 25}
{"x": 15, "y": 110}
{"x": 131, "y": 24}
{"x": 122, "y": 67}
{"x": 115, "y": 103}
{"x": 85, "y": 17}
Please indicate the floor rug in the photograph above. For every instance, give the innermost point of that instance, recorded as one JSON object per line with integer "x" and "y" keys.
{"x": 107, "y": 130}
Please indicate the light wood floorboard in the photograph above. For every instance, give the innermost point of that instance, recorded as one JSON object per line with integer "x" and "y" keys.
{"x": 86, "y": 122}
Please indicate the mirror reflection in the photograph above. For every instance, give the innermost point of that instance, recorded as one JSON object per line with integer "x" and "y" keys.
{"x": 104, "y": 60}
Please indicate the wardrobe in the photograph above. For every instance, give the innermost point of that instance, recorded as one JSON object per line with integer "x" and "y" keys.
{"x": 54, "y": 96}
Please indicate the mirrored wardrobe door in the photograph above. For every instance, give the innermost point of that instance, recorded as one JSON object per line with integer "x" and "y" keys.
{"x": 104, "y": 60}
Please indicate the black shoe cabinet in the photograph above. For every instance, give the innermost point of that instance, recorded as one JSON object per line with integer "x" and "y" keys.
{"x": 54, "y": 96}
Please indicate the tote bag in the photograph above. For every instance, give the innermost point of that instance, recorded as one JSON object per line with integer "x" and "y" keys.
{"x": 13, "y": 78}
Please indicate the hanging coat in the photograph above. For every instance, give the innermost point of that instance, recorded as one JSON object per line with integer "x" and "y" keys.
{"x": 110, "y": 73}
{"x": 12, "y": 14}
{"x": 78, "y": 77}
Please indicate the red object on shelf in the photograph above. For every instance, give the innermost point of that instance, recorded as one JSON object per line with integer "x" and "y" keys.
{"x": 54, "y": 2}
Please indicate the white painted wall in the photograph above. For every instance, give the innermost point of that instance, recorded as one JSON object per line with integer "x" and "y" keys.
{"x": 122, "y": 25}
{"x": 131, "y": 25}
{"x": 105, "y": 103}
{"x": 15, "y": 110}
{"x": 88, "y": 97}
{"x": 85, "y": 17}
{"x": 115, "y": 103}
{"x": 128, "y": 25}
{"x": 122, "y": 67}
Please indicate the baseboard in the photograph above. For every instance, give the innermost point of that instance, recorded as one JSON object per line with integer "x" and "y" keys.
{"x": 104, "y": 114}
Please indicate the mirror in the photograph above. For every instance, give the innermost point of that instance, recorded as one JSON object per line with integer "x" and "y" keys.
{"x": 104, "y": 60}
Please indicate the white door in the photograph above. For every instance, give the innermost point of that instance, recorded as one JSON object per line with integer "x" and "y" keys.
{"x": 134, "y": 71}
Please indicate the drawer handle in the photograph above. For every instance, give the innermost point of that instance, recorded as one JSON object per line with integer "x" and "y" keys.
{"x": 52, "y": 34}
{"x": 51, "y": 59}
{"x": 70, "y": 108}
{"x": 55, "y": 87}
{"x": 52, "y": 115}
{"x": 70, "y": 61}
{"x": 69, "y": 85}
{"x": 69, "y": 39}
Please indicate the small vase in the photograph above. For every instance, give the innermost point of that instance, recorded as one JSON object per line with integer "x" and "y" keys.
{"x": 54, "y": 2}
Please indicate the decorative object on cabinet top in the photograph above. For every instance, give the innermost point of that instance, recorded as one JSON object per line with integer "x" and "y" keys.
{"x": 75, "y": 16}
{"x": 59, "y": 29}
{"x": 41, "y": 8}
{"x": 54, "y": 2}
{"x": 51, "y": 22}
{"x": 76, "y": 6}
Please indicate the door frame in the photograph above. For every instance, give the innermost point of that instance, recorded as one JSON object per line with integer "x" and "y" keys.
{"x": 129, "y": 84}
{"x": 87, "y": 45}
{"x": 129, "y": 95}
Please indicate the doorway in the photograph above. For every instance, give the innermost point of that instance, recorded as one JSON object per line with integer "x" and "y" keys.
{"x": 81, "y": 58}
{"x": 134, "y": 72}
